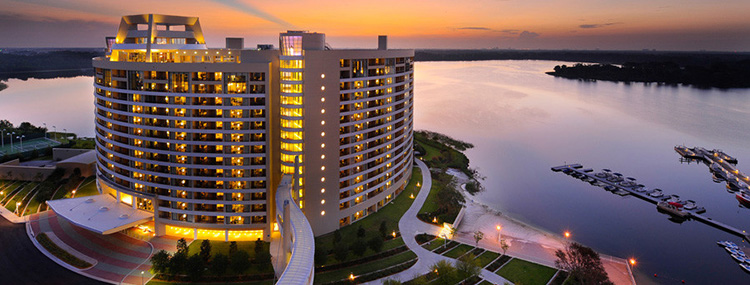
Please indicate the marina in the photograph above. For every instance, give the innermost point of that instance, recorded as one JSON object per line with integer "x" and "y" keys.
{"x": 678, "y": 209}
{"x": 722, "y": 166}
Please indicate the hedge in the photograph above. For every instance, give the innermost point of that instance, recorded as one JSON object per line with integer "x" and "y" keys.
{"x": 60, "y": 253}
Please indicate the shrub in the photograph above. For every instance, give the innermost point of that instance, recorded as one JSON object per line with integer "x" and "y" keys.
{"x": 219, "y": 264}
{"x": 376, "y": 244}
{"x": 239, "y": 262}
{"x": 205, "y": 252}
{"x": 160, "y": 262}
{"x": 60, "y": 253}
{"x": 359, "y": 247}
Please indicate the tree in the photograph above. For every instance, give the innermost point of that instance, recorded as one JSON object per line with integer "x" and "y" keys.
{"x": 583, "y": 263}
{"x": 240, "y": 262}
{"x": 205, "y": 250}
{"x": 340, "y": 253}
{"x": 383, "y": 229}
{"x": 160, "y": 262}
{"x": 232, "y": 247}
{"x": 195, "y": 267}
{"x": 376, "y": 244}
{"x": 504, "y": 245}
{"x": 467, "y": 267}
{"x": 178, "y": 263}
{"x": 258, "y": 246}
{"x": 336, "y": 237}
{"x": 446, "y": 273}
{"x": 321, "y": 256}
{"x": 478, "y": 235}
{"x": 263, "y": 259}
{"x": 359, "y": 247}
{"x": 361, "y": 232}
{"x": 182, "y": 247}
{"x": 219, "y": 264}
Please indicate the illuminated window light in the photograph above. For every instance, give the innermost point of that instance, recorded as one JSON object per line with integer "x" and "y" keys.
{"x": 322, "y": 76}
{"x": 322, "y": 156}
{"x": 323, "y": 111}
{"x": 322, "y": 168}
{"x": 322, "y": 202}
{"x": 322, "y": 122}
{"x": 322, "y": 99}
{"x": 322, "y": 88}
{"x": 322, "y": 179}
{"x": 322, "y": 145}
{"x": 322, "y": 134}
{"x": 323, "y": 190}
{"x": 322, "y": 213}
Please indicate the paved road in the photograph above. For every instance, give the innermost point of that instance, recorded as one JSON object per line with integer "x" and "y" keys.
{"x": 22, "y": 263}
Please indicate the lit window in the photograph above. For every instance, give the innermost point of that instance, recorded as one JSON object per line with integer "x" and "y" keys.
{"x": 322, "y": 213}
{"x": 322, "y": 99}
{"x": 322, "y": 88}
{"x": 322, "y": 190}
{"x": 322, "y": 76}
{"x": 322, "y": 134}
{"x": 323, "y": 111}
{"x": 322, "y": 179}
{"x": 322, "y": 122}
{"x": 322, "y": 168}
{"x": 322, "y": 145}
{"x": 322, "y": 202}
{"x": 322, "y": 156}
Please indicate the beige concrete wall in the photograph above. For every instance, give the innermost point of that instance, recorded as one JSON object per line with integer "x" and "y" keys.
{"x": 59, "y": 154}
{"x": 24, "y": 173}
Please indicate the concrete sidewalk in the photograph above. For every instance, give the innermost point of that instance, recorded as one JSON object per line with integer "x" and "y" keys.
{"x": 410, "y": 226}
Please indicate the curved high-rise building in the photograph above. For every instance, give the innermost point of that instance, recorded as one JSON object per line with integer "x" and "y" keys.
{"x": 201, "y": 137}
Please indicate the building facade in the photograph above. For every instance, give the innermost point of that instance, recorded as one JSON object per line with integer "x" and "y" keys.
{"x": 201, "y": 136}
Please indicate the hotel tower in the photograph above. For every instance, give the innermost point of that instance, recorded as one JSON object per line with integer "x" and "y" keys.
{"x": 201, "y": 137}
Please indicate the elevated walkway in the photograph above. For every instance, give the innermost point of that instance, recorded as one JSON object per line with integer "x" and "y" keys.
{"x": 297, "y": 239}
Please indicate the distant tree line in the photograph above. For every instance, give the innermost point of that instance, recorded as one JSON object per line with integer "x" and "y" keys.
{"x": 24, "y": 129}
{"x": 734, "y": 74}
{"x": 47, "y": 63}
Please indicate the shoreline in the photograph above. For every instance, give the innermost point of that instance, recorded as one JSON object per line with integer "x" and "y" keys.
{"x": 525, "y": 241}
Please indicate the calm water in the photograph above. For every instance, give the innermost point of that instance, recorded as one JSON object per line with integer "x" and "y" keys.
{"x": 522, "y": 122}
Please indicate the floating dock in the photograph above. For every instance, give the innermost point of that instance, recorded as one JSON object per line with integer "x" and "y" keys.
{"x": 720, "y": 164}
{"x": 618, "y": 184}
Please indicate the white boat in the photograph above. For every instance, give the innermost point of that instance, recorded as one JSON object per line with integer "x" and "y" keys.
{"x": 656, "y": 193}
{"x": 745, "y": 266}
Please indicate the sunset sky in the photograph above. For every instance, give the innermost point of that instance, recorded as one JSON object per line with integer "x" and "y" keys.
{"x": 722, "y": 25}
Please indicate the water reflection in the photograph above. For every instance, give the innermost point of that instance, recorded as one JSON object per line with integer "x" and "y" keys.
{"x": 66, "y": 103}
{"x": 523, "y": 121}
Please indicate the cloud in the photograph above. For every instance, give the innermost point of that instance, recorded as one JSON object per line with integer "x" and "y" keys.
{"x": 252, "y": 10}
{"x": 512, "y": 32}
{"x": 475, "y": 28}
{"x": 594, "y": 26}
{"x": 526, "y": 35}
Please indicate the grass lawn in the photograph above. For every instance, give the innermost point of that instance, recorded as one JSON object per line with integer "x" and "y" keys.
{"x": 364, "y": 268}
{"x": 391, "y": 214}
{"x": 7, "y": 190}
{"x": 486, "y": 258}
{"x": 438, "y": 242}
{"x": 484, "y": 282}
{"x": 458, "y": 251}
{"x": 32, "y": 206}
{"x": 521, "y": 271}
{"x": 88, "y": 187}
{"x": 223, "y": 248}
{"x": 11, "y": 205}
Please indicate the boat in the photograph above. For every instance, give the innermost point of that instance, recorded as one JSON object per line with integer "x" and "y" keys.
{"x": 610, "y": 188}
{"x": 743, "y": 197}
{"x": 672, "y": 198}
{"x": 614, "y": 179}
{"x": 602, "y": 175}
{"x": 673, "y": 209}
{"x": 725, "y": 243}
{"x": 720, "y": 154}
{"x": 685, "y": 151}
{"x": 734, "y": 250}
{"x": 738, "y": 258}
{"x": 689, "y": 205}
{"x": 656, "y": 193}
{"x": 745, "y": 266}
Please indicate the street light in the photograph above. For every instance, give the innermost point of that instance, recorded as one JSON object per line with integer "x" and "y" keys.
{"x": 141, "y": 277}
{"x": 631, "y": 261}
{"x": 567, "y": 234}
{"x": 498, "y": 228}
{"x": 18, "y": 205}
{"x": 11, "y": 140}
{"x": 74, "y": 194}
{"x": 21, "y": 137}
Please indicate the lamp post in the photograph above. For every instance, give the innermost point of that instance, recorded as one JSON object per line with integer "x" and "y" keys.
{"x": 11, "y": 140}
{"x": 74, "y": 194}
{"x": 18, "y": 205}
{"x": 498, "y": 228}
{"x": 141, "y": 277}
{"x": 21, "y": 137}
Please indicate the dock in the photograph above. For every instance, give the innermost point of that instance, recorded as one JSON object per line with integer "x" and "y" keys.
{"x": 623, "y": 186}
{"x": 720, "y": 164}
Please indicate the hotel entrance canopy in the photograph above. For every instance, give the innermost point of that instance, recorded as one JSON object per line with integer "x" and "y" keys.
{"x": 102, "y": 214}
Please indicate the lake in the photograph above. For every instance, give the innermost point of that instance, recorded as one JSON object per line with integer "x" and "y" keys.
{"x": 522, "y": 122}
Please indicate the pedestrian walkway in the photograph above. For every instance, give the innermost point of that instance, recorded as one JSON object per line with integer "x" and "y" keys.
{"x": 410, "y": 226}
{"x": 120, "y": 258}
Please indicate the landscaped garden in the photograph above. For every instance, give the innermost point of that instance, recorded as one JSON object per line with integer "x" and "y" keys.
{"x": 214, "y": 261}
{"x": 369, "y": 245}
